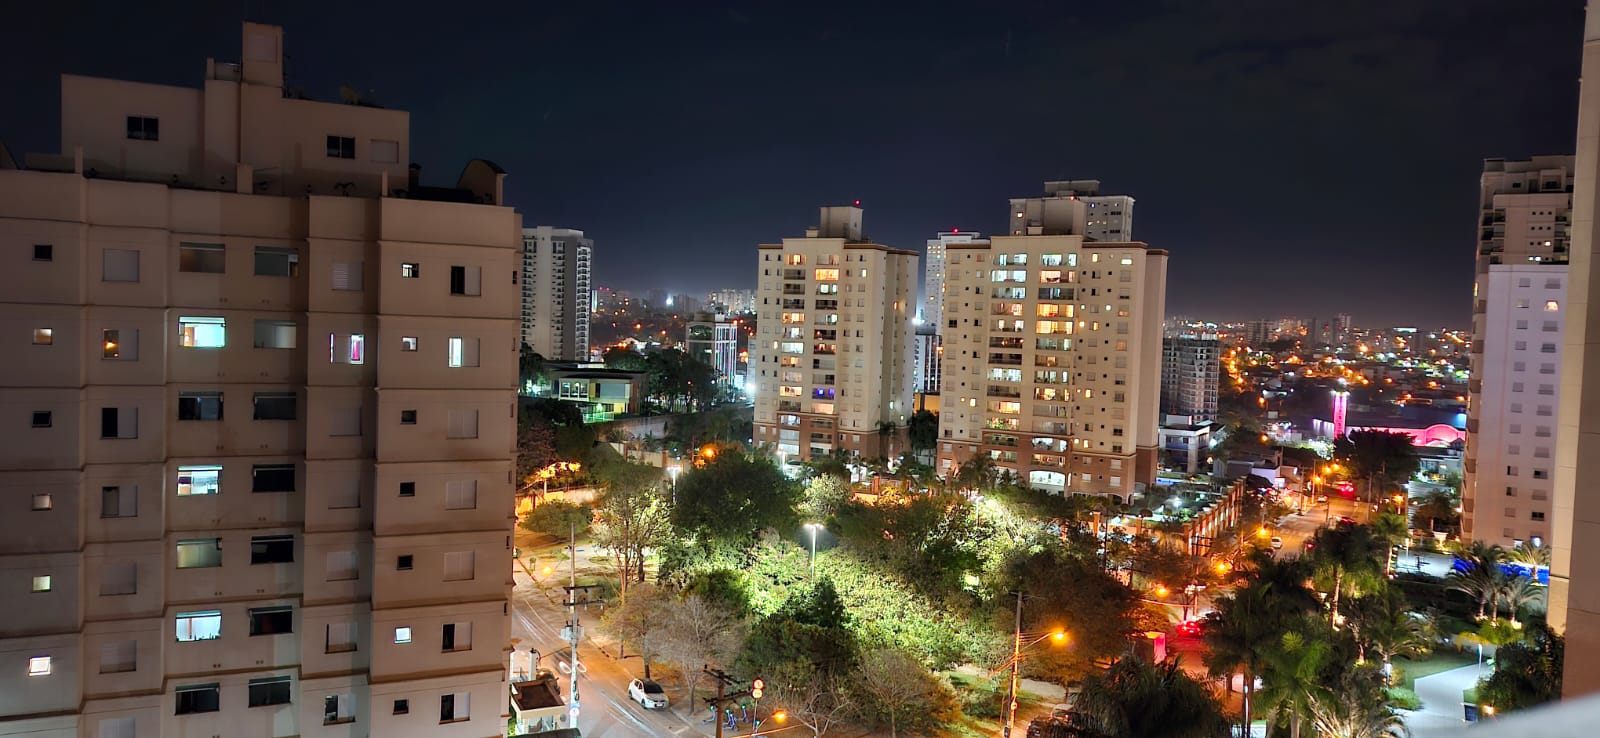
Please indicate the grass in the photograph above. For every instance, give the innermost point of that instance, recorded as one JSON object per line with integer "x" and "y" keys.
{"x": 1441, "y": 660}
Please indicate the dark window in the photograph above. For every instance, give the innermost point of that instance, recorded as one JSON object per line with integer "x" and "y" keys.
{"x": 208, "y": 258}
{"x": 272, "y": 478}
{"x": 458, "y": 280}
{"x": 269, "y": 691}
{"x": 341, "y": 147}
{"x": 447, "y": 708}
{"x": 271, "y": 620}
{"x": 447, "y": 637}
{"x": 199, "y": 405}
{"x": 199, "y": 698}
{"x": 41, "y": 418}
{"x": 275, "y": 261}
{"x": 44, "y": 252}
{"x": 402, "y": 707}
{"x": 408, "y": 417}
{"x": 108, "y": 422}
{"x": 271, "y": 549}
{"x": 403, "y": 562}
{"x": 275, "y": 406}
{"x": 141, "y": 128}
{"x": 408, "y": 489}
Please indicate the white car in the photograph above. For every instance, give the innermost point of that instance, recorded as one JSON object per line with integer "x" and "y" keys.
{"x": 647, "y": 693}
{"x": 1277, "y": 542}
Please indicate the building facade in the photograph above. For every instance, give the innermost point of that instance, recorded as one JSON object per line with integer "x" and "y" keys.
{"x": 932, "y": 310}
{"x": 1053, "y": 364}
{"x": 714, "y": 339}
{"x": 1096, "y": 217}
{"x": 831, "y": 361}
{"x": 1524, "y": 212}
{"x": 927, "y": 351}
{"x": 1191, "y": 367}
{"x": 555, "y": 292}
{"x": 324, "y": 562}
{"x": 732, "y": 302}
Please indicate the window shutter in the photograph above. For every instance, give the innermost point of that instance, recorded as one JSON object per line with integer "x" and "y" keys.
{"x": 461, "y": 494}
{"x": 347, "y": 276}
{"x": 458, "y": 565}
{"x": 462, "y": 424}
{"x": 119, "y": 265}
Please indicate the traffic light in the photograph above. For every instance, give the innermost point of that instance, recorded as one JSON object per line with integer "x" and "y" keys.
{"x": 756, "y": 687}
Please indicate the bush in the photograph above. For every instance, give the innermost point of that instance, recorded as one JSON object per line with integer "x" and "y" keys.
{"x": 980, "y": 698}
{"x": 1404, "y": 699}
{"x": 557, "y": 518}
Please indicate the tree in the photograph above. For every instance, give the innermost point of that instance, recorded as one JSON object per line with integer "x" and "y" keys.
{"x": 899, "y": 690}
{"x": 1356, "y": 707}
{"x": 886, "y": 430}
{"x": 696, "y": 633}
{"x": 1518, "y": 592}
{"x": 632, "y": 518}
{"x": 733, "y": 498}
{"x": 1383, "y": 624}
{"x": 559, "y": 518}
{"x": 1135, "y": 699}
{"x": 1065, "y": 589}
{"x": 531, "y": 372}
{"x": 1437, "y": 511}
{"x": 813, "y": 697}
{"x": 823, "y": 496}
{"x": 638, "y": 621}
{"x": 1380, "y": 457}
{"x": 978, "y": 473}
{"x": 1292, "y": 679}
{"x": 1345, "y": 564}
{"x": 625, "y": 359}
{"x": 536, "y": 449}
{"x": 1479, "y": 575}
{"x": 1527, "y": 673}
{"x": 1248, "y": 623}
{"x": 922, "y": 430}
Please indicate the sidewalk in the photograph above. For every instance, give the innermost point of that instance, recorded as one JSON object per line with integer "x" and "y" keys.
{"x": 1441, "y": 714}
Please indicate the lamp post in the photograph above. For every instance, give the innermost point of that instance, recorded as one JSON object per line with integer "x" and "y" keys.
{"x": 1015, "y": 662}
{"x": 813, "y": 528}
{"x": 672, "y": 471}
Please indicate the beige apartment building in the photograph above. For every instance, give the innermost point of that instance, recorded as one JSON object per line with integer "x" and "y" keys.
{"x": 1052, "y": 353}
{"x": 328, "y": 558}
{"x": 832, "y": 357}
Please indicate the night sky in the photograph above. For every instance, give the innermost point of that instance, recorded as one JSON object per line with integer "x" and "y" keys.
{"x": 1296, "y": 158}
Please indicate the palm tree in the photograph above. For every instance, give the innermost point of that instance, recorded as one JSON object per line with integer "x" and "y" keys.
{"x": 1480, "y": 578}
{"x": 1136, "y": 699}
{"x": 1345, "y": 563}
{"x": 1533, "y": 556}
{"x": 1526, "y": 673}
{"x": 1356, "y": 707}
{"x": 1246, "y": 624}
{"x": 1383, "y": 624}
{"x": 1519, "y": 592}
{"x": 1292, "y": 681}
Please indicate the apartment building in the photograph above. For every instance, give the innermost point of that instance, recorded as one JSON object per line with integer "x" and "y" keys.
{"x": 1191, "y": 367}
{"x": 1052, "y": 353}
{"x": 1096, "y": 217}
{"x": 327, "y": 558}
{"x": 932, "y": 309}
{"x": 926, "y": 352}
{"x": 831, "y": 362}
{"x": 714, "y": 339}
{"x": 555, "y": 292}
{"x": 1525, "y": 210}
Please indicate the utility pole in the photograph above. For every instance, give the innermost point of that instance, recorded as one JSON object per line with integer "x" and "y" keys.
{"x": 1016, "y": 664}
{"x": 723, "y": 680}
{"x": 574, "y": 633}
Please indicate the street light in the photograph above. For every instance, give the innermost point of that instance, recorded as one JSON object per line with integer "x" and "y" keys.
{"x": 673, "y": 471}
{"x": 813, "y": 527}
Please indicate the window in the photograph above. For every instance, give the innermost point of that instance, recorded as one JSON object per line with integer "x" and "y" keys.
{"x": 408, "y": 489}
{"x": 39, "y": 666}
{"x": 119, "y": 422}
{"x": 275, "y": 405}
{"x": 271, "y": 620}
{"x": 466, "y": 280}
{"x": 122, "y": 727}
{"x": 463, "y": 351}
{"x": 453, "y": 707}
{"x": 269, "y": 691}
{"x": 1551, "y": 306}
{"x": 384, "y": 151}
{"x": 204, "y": 258}
{"x": 458, "y": 566}
{"x": 120, "y": 344}
{"x": 402, "y": 707}
{"x": 203, "y": 625}
{"x": 119, "y": 578}
{"x": 1536, "y": 515}
{"x": 142, "y": 128}
{"x": 272, "y": 478}
{"x": 408, "y": 417}
{"x": 119, "y": 657}
{"x": 119, "y": 265}
{"x": 199, "y": 405}
{"x": 462, "y": 424}
{"x": 461, "y": 494}
{"x": 346, "y": 349}
{"x": 271, "y": 549}
{"x": 41, "y": 418}
{"x": 277, "y": 261}
{"x": 409, "y": 270}
{"x": 276, "y": 334}
{"x": 199, "y": 480}
{"x": 42, "y": 502}
{"x": 44, "y": 336}
{"x": 402, "y": 635}
{"x": 202, "y": 332}
{"x": 341, "y": 565}
{"x": 197, "y": 698}
{"x": 44, "y": 252}
{"x": 199, "y": 553}
{"x": 341, "y": 638}
{"x": 408, "y": 343}
{"x": 119, "y": 502}
{"x": 403, "y": 562}
{"x": 42, "y": 583}
{"x": 338, "y": 708}
{"x": 347, "y": 276}
{"x": 341, "y": 147}
{"x": 455, "y": 637}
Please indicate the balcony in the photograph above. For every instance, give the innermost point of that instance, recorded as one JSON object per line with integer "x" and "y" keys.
{"x": 1006, "y": 359}
{"x": 1002, "y": 391}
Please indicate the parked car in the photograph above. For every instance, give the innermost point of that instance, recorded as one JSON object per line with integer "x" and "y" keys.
{"x": 1191, "y": 628}
{"x": 647, "y": 693}
{"x": 1277, "y": 543}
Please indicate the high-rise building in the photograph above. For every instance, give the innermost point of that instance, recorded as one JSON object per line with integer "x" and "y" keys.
{"x": 732, "y": 302}
{"x": 555, "y": 292}
{"x": 1191, "y": 366}
{"x": 1523, "y": 214}
{"x": 927, "y": 351}
{"x": 932, "y": 309}
{"x": 714, "y": 339}
{"x": 1341, "y": 328}
{"x": 329, "y": 561}
{"x": 1093, "y": 216}
{"x": 832, "y": 355}
{"x": 1053, "y": 368}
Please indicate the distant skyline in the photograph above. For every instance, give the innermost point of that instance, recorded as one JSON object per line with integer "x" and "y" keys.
{"x": 1298, "y": 159}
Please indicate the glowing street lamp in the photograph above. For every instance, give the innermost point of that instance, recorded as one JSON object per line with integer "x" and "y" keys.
{"x": 813, "y": 528}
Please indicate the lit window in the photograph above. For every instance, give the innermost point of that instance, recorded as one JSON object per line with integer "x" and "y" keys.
{"x": 347, "y": 349}
{"x": 410, "y": 271}
{"x": 402, "y": 635}
{"x": 408, "y": 343}
{"x": 1550, "y": 306}
{"x": 39, "y": 666}
{"x": 204, "y": 625}
{"x": 202, "y": 332}
{"x": 199, "y": 480}
{"x": 41, "y": 583}
{"x": 463, "y": 351}
{"x": 44, "y": 336}
{"x": 828, "y": 275}
{"x": 43, "y": 502}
